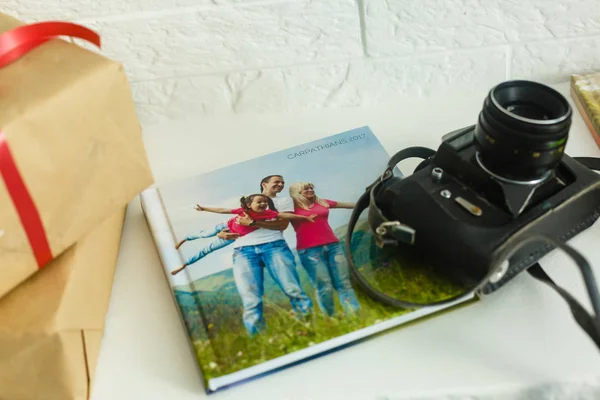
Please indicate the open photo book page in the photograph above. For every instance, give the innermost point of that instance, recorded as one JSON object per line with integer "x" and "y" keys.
{"x": 255, "y": 257}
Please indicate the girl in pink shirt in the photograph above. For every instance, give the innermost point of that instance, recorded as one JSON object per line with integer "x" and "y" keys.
{"x": 320, "y": 251}
{"x": 256, "y": 206}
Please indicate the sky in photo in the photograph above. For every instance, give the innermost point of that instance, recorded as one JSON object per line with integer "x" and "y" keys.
{"x": 340, "y": 166}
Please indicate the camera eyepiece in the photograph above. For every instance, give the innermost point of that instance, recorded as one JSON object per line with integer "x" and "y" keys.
{"x": 522, "y": 130}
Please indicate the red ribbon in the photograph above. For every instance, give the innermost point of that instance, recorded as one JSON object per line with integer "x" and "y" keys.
{"x": 13, "y": 45}
{"x": 30, "y": 218}
{"x": 16, "y": 43}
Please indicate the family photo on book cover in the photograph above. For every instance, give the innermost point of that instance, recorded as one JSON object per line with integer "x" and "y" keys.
{"x": 257, "y": 260}
{"x": 262, "y": 247}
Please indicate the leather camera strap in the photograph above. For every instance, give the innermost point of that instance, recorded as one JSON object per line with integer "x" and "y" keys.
{"x": 590, "y": 325}
{"x": 387, "y": 232}
{"x": 392, "y": 232}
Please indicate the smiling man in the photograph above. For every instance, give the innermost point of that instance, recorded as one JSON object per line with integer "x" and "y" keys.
{"x": 266, "y": 247}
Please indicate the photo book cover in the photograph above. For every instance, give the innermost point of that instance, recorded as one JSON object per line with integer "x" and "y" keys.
{"x": 255, "y": 256}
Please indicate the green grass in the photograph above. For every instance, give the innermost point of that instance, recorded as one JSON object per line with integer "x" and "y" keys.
{"x": 285, "y": 333}
{"x": 222, "y": 345}
{"x": 405, "y": 278}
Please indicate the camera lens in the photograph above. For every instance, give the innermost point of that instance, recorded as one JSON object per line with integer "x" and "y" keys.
{"x": 522, "y": 130}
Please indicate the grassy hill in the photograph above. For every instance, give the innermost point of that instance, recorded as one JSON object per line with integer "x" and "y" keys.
{"x": 212, "y": 308}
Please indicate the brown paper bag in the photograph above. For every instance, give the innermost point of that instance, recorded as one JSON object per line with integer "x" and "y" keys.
{"x": 68, "y": 119}
{"x": 51, "y": 325}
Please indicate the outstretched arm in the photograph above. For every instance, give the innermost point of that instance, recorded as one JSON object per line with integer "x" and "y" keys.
{"x": 344, "y": 205}
{"x": 277, "y": 225}
{"x": 290, "y": 216}
{"x": 216, "y": 210}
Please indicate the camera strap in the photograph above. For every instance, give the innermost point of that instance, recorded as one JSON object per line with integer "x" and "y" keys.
{"x": 393, "y": 232}
{"x": 386, "y": 232}
{"x": 590, "y": 325}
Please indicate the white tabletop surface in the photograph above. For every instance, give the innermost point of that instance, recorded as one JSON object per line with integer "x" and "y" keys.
{"x": 506, "y": 346}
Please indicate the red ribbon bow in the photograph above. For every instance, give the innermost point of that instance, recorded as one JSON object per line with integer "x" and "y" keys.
{"x": 13, "y": 45}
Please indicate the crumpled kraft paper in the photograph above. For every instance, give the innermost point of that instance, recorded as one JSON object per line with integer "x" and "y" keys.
{"x": 68, "y": 117}
{"x": 51, "y": 325}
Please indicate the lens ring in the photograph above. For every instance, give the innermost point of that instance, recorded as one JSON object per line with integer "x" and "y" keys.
{"x": 535, "y": 181}
{"x": 558, "y": 96}
{"x": 522, "y": 130}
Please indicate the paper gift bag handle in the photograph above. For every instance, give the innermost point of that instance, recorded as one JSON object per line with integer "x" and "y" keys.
{"x": 19, "y": 41}
{"x": 13, "y": 45}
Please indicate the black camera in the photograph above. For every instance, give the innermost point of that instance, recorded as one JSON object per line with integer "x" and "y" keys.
{"x": 473, "y": 209}
{"x": 491, "y": 183}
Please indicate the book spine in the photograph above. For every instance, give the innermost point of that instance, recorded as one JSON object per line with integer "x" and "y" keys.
{"x": 164, "y": 241}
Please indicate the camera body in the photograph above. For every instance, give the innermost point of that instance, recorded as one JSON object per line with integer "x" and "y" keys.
{"x": 463, "y": 214}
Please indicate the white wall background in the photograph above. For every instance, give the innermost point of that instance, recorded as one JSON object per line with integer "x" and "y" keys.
{"x": 188, "y": 57}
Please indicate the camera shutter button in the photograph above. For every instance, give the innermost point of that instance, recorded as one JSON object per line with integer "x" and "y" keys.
{"x": 437, "y": 173}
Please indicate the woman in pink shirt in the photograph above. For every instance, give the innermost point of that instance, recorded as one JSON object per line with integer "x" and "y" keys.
{"x": 320, "y": 251}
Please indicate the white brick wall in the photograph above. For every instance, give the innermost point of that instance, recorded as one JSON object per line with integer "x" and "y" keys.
{"x": 234, "y": 56}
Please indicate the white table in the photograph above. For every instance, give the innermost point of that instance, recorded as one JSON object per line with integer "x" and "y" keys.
{"x": 521, "y": 336}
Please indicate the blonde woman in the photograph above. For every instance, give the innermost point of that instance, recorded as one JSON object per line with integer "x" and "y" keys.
{"x": 320, "y": 251}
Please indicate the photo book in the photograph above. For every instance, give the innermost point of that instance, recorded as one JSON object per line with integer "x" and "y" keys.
{"x": 585, "y": 93}
{"x": 255, "y": 258}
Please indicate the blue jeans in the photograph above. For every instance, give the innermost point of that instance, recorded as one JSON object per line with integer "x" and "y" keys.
{"x": 248, "y": 272}
{"x": 328, "y": 270}
{"x": 216, "y": 244}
